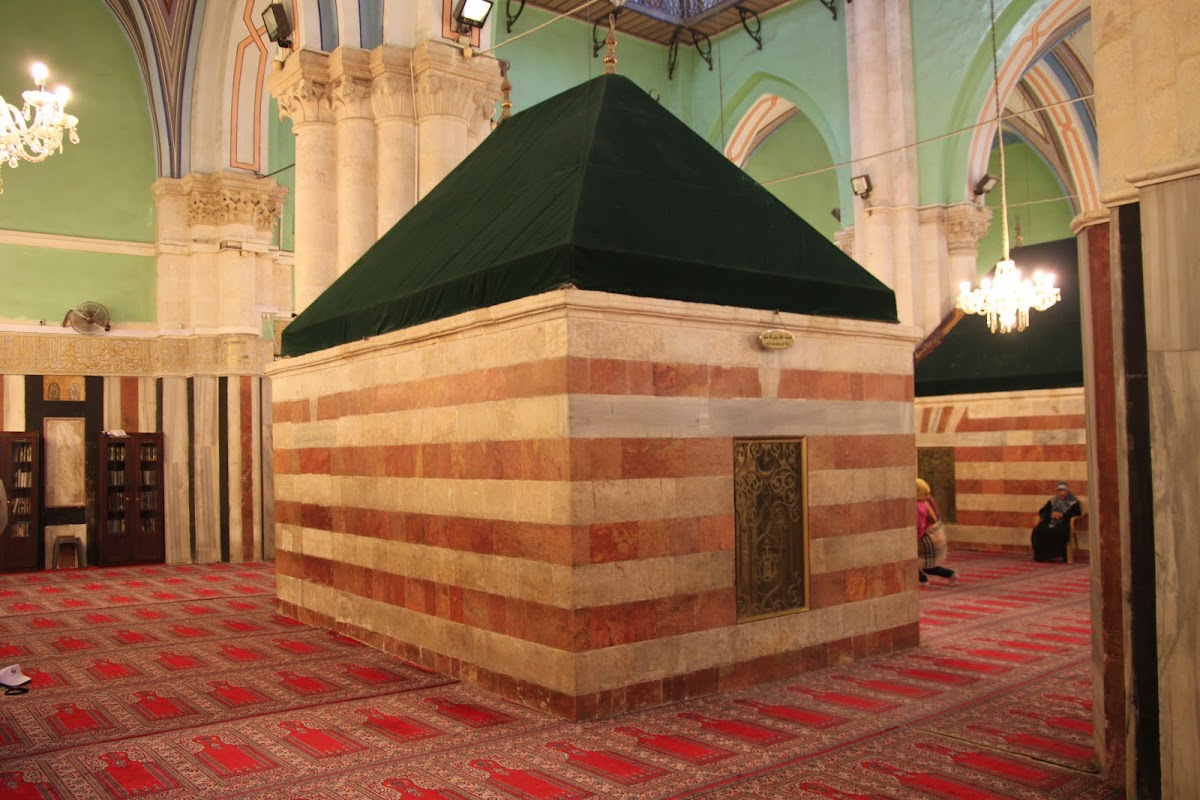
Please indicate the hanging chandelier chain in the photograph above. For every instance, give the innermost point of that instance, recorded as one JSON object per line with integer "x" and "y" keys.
{"x": 999, "y": 136}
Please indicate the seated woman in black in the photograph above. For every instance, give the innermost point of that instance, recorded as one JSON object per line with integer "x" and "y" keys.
{"x": 1049, "y": 538}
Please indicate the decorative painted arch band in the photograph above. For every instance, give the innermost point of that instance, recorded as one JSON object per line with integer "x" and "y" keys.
{"x": 1050, "y": 25}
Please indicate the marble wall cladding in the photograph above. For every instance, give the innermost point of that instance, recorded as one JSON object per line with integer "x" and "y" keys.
{"x": 1170, "y": 249}
{"x": 63, "y": 456}
{"x": 206, "y": 468}
{"x": 197, "y": 507}
{"x": 1009, "y": 451}
{"x": 177, "y": 436}
{"x": 14, "y": 402}
{"x": 540, "y": 494}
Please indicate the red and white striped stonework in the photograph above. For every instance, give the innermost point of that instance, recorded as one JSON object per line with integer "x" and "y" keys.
{"x": 538, "y": 497}
{"x": 1010, "y": 449}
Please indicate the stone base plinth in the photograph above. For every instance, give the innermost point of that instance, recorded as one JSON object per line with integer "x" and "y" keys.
{"x": 538, "y": 497}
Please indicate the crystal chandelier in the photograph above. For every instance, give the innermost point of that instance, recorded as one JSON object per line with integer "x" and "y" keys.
{"x": 36, "y": 130}
{"x": 1006, "y": 298}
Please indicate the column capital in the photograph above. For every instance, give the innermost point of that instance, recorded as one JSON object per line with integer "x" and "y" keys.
{"x": 392, "y": 85}
{"x": 350, "y": 83}
{"x": 226, "y": 198}
{"x": 447, "y": 84}
{"x": 844, "y": 239}
{"x": 1088, "y": 219}
{"x": 966, "y": 224}
{"x": 302, "y": 88}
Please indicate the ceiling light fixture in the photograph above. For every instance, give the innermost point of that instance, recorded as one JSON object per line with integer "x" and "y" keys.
{"x": 861, "y": 185}
{"x": 1006, "y": 298}
{"x": 35, "y": 132}
{"x": 985, "y": 184}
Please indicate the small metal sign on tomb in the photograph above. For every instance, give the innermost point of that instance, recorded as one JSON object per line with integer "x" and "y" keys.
{"x": 776, "y": 339}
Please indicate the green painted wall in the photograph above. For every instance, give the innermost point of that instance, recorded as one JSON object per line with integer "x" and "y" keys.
{"x": 41, "y": 284}
{"x": 952, "y": 74}
{"x": 281, "y": 165}
{"x": 558, "y": 57}
{"x": 798, "y": 146}
{"x": 1029, "y": 179}
{"x": 803, "y": 60}
{"x": 100, "y": 187}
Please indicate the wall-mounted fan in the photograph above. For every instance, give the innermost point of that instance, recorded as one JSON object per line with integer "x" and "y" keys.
{"x": 88, "y": 317}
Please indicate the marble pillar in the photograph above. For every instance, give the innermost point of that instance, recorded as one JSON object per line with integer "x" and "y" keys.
{"x": 1109, "y": 609}
{"x": 966, "y": 225}
{"x": 206, "y": 469}
{"x": 213, "y": 229}
{"x": 1170, "y": 253}
{"x": 1147, "y": 67}
{"x": 394, "y": 105}
{"x": 882, "y": 120}
{"x": 304, "y": 95}
{"x": 451, "y": 93}
{"x": 357, "y": 168}
{"x": 177, "y": 437}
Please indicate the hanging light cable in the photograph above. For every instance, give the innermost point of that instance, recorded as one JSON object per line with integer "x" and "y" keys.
{"x": 1006, "y": 298}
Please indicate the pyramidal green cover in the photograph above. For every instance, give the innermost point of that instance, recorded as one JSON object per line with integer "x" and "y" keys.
{"x": 600, "y": 188}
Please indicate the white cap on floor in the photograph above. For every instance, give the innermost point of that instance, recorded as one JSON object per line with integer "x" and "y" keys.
{"x": 13, "y": 677}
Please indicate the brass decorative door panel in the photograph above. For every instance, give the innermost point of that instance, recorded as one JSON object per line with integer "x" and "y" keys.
{"x": 770, "y": 512}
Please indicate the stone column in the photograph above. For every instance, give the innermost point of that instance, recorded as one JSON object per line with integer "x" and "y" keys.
{"x": 1104, "y": 500}
{"x": 949, "y": 249}
{"x": 303, "y": 91}
{"x": 450, "y": 91}
{"x": 882, "y": 119}
{"x": 1147, "y": 57}
{"x": 213, "y": 229}
{"x": 357, "y": 168}
{"x": 395, "y": 134}
{"x": 171, "y": 256}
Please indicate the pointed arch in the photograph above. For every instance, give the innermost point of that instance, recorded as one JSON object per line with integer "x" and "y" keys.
{"x": 763, "y": 105}
{"x": 1026, "y": 42}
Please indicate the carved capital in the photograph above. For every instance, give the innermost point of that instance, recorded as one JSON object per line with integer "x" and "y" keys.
{"x": 392, "y": 85}
{"x": 449, "y": 85}
{"x": 228, "y": 198}
{"x": 350, "y": 82}
{"x": 306, "y": 102}
{"x": 351, "y": 98}
{"x": 302, "y": 88}
{"x": 392, "y": 96}
{"x": 966, "y": 224}
{"x": 844, "y": 239}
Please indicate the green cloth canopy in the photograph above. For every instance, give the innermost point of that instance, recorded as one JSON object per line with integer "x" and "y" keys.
{"x": 603, "y": 189}
{"x": 1046, "y": 355}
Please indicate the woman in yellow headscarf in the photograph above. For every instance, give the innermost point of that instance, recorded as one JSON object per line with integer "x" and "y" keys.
{"x": 931, "y": 538}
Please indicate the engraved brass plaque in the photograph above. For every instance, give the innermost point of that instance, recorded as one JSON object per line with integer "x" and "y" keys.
{"x": 770, "y": 512}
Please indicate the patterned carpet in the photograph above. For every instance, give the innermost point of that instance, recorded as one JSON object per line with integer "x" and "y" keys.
{"x": 181, "y": 682}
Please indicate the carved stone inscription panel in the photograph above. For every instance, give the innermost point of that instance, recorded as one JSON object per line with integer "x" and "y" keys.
{"x": 770, "y": 509}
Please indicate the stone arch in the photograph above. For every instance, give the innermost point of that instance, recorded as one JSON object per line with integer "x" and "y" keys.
{"x": 767, "y": 104}
{"x": 1032, "y": 35}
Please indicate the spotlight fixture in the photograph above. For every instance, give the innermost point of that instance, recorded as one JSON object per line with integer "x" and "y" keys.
{"x": 985, "y": 184}
{"x": 278, "y": 24}
{"x": 471, "y": 14}
{"x": 836, "y": 213}
{"x": 861, "y": 184}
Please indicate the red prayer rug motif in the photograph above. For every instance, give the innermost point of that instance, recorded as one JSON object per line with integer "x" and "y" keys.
{"x": 192, "y": 686}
